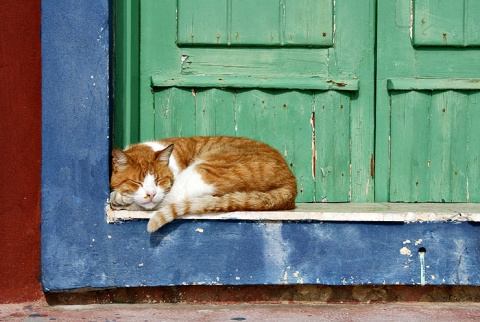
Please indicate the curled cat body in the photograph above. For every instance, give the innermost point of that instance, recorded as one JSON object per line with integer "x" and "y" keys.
{"x": 197, "y": 175}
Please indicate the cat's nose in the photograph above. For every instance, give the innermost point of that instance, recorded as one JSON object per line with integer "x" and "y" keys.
{"x": 151, "y": 195}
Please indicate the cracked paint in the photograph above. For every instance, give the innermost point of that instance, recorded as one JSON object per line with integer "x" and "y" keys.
{"x": 405, "y": 251}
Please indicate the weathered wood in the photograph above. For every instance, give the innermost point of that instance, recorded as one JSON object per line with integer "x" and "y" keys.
{"x": 255, "y": 23}
{"x": 214, "y": 112}
{"x": 174, "y": 112}
{"x": 255, "y": 62}
{"x": 294, "y": 135}
{"x": 426, "y": 98}
{"x": 227, "y": 81}
{"x": 432, "y": 84}
{"x": 126, "y": 90}
{"x": 308, "y": 22}
{"x": 154, "y": 57}
{"x": 431, "y": 153}
{"x": 446, "y": 23}
{"x": 360, "y": 62}
{"x": 472, "y": 23}
{"x": 266, "y": 23}
{"x": 332, "y": 140}
{"x": 319, "y": 158}
{"x": 473, "y": 148}
{"x": 201, "y": 22}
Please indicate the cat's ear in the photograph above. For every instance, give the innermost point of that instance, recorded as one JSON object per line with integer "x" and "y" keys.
{"x": 164, "y": 155}
{"x": 120, "y": 159}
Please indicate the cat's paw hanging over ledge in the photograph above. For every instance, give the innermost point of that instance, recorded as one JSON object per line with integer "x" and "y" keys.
{"x": 155, "y": 223}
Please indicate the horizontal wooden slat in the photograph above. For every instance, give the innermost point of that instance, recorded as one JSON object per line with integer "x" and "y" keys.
{"x": 306, "y": 83}
{"x": 433, "y": 84}
{"x": 341, "y": 212}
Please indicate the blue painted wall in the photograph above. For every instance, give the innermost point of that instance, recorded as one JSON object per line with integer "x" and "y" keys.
{"x": 79, "y": 249}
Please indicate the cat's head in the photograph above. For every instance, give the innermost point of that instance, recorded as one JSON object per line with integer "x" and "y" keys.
{"x": 142, "y": 174}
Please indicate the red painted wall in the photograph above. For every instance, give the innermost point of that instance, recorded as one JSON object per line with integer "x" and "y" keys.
{"x": 20, "y": 137}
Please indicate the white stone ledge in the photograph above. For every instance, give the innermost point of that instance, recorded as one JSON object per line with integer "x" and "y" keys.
{"x": 355, "y": 212}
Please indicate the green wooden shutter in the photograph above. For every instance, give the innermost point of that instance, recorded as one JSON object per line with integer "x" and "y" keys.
{"x": 428, "y": 101}
{"x": 300, "y": 75}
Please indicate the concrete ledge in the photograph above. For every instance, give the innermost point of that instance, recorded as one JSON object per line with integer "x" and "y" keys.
{"x": 355, "y": 212}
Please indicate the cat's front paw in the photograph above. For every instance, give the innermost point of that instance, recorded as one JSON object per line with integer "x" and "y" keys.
{"x": 158, "y": 220}
{"x": 120, "y": 202}
{"x": 154, "y": 224}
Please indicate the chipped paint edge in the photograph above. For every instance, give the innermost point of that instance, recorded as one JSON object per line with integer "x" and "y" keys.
{"x": 361, "y": 212}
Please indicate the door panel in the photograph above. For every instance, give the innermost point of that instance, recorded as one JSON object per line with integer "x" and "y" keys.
{"x": 433, "y": 157}
{"x": 427, "y": 98}
{"x": 446, "y": 23}
{"x": 252, "y": 22}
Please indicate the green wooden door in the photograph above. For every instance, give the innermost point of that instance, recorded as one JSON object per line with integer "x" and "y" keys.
{"x": 298, "y": 75}
{"x": 308, "y": 78}
{"x": 428, "y": 101}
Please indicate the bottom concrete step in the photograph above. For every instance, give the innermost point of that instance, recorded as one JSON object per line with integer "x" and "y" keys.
{"x": 243, "y": 312}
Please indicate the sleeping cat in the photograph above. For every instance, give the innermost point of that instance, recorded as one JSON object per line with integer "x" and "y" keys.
{"x": 198, "y": 175}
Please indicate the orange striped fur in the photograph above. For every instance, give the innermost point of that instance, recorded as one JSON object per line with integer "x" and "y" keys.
{"x": 197, "y": 175}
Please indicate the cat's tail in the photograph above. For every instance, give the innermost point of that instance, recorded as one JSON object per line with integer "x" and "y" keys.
{"x": 277, "y": 199}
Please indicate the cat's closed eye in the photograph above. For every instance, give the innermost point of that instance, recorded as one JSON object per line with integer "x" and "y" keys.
{"x": 162, "y": 181}
{"x": 135, "y": 182}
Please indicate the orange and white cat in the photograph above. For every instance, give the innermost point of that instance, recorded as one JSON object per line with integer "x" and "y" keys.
{"x": 197, "y": 175}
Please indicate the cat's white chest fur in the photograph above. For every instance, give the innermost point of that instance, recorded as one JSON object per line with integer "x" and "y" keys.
{"x": 188, "y": 184}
